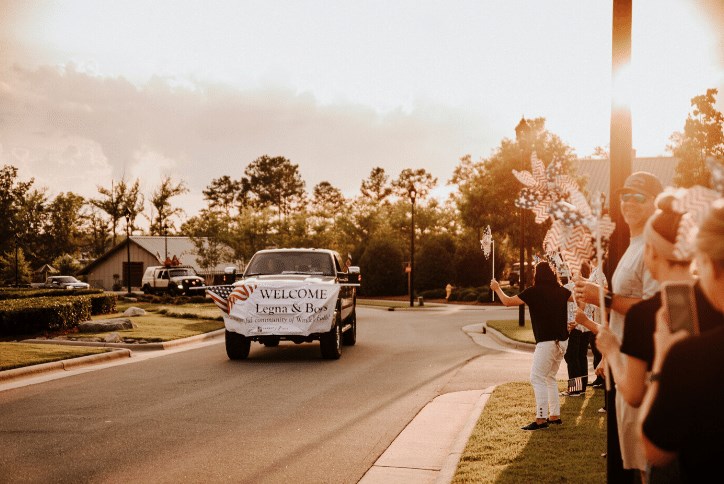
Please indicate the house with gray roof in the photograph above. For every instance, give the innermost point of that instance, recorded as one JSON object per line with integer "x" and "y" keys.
{"x": 597, "y": 172}
{"x": 144, "y": 251}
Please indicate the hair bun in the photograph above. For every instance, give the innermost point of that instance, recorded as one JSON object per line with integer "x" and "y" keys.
{"x": 665, "y": 202}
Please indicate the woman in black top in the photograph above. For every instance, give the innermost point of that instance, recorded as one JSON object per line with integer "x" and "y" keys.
{"x": 547, "y": 303}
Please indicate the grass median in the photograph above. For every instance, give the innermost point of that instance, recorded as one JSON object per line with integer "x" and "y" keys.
{"x": 499, "y": 451}
{"x": 18, "y": 355}
{"x": 162, "y": 322}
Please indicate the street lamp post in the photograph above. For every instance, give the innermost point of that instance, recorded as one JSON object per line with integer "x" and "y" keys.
{"x": 16, "y": 259}
{"x": 413, "y": 194}
{"x": 521, "y": 134}
{"x": 165, "y": 241}
{"x": 128, "y": 251}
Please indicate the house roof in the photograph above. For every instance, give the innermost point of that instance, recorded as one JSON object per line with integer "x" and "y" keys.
{"x": 45, "y": 268}
{"x": 598, "y": 174}
{"x": 158, "y": 246}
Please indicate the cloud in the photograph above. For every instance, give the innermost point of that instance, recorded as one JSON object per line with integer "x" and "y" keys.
{"x": 73, "y": 131}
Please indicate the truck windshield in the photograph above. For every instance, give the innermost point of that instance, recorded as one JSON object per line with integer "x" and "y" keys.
{"x": 181, "y": 272}
{"x": 290, "y": 263}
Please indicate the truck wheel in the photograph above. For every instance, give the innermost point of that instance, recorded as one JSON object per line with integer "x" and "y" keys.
{"x": 147, "y": 289}
{"x": 349, "y": 338}
{"x": 237, "y": 345}
{"x": 331, "y": 343}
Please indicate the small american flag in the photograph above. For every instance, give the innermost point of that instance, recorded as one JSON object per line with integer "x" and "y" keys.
{"x": 220, "y": 296}
{"x": 575, "y": 384}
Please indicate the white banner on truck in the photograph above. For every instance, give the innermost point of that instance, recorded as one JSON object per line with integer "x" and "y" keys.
{"x": 282, "y": 308}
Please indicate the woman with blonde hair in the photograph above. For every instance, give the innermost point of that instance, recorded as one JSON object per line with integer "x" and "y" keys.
{"x": 681, "y": 413}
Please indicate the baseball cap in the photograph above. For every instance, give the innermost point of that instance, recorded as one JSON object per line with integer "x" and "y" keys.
{"x": 642, "y": 182}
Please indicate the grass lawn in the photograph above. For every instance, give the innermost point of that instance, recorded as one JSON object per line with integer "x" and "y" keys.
{"x": 510, "y": 328}
{"x": 16, "y": 355}
{"x": 163, "y": 322}
{"x": 499, "y": 451}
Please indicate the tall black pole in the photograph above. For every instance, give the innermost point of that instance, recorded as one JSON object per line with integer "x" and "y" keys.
{"x": 128, "y": 253}
{"x": 620, "y": 169}
{"x": 620, "y": 141}
{"x": 165, "y": 241}
{"x": 16, "y": 260}
{"x": 521, "y": 135}
{"x": 412, "y": 249}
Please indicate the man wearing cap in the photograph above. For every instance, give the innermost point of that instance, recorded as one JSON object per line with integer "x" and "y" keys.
{"x": 631, "y": 283}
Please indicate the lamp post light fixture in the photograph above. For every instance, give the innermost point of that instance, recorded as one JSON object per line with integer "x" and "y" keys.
{"x": 411, "y": 276}
{"x": 128, "y": 250}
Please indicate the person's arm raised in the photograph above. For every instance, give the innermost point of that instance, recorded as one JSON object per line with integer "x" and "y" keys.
{"x": 504, "y": 298}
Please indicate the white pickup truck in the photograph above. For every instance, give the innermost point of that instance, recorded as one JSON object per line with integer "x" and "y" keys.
{"x": 298, "y": 295}
{"x": 174, "y": 280}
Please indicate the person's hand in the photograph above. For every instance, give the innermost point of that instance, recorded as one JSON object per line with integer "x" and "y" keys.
{"x": 586, "y": 292}
{"x": 607, "y": 341}
{"x": 494, "y": 285}
{"x": 600, "y": 370}
{"x": 664, "y": 339}
{"x": 571, "y": 326}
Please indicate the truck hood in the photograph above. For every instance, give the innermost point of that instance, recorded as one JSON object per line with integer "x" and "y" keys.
{"x": 290, "y": 278}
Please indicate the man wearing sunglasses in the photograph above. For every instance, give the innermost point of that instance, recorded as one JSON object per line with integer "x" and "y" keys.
{"x": 631, "y": 283}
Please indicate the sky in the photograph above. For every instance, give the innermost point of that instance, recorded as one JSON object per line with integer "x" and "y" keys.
{"x": 95, "y": 90}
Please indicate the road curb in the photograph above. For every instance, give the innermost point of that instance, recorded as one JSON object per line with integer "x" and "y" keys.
{"x": 450, "y": 466}
{"x": 66, "y": 364}
{"x": 500, "y": 338}
{"x": 132, "y": 346}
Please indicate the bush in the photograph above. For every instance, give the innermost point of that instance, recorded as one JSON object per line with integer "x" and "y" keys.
{"x": 433, "y": 294}
{"x": 22, "y": 293}
{"x": 29, "y": 316}
{"x": 103, "y": 303}
{"x": 434, "y": 264}
{"x": 382, "y": 269}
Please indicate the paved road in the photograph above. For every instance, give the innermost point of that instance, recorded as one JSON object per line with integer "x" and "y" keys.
{"x": 282, "y": 415}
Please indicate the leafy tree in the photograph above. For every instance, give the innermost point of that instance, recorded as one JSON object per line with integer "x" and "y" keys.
{"x": 12, "y": 194}
{"x": 275, "y": 182}
{"x": 66, "y": 264}
{"x": 422, "y": 181}
{"x": 8, "y": 271}
{"x": 434, "y": 263}
{"x": 31, "y": 222}
{"x": 224, "y": 194}
{"x": 703, "y": 137}
{"x": 118, "y": 200}
{"x": 96, "y": 230}
{"x": 62, "y": 234}
{"x": 487, "y": 189}
{"x": 160, "y": 200}
{"x": 376, "y": 189}
{"x": 382, "y": 269}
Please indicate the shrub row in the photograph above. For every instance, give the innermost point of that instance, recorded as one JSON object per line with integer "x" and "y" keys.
{"x": 169, "y": 299}
{"x": 31, "y": 316}
{"x": 21, "y": 293}
{"x": 468, "y": 294}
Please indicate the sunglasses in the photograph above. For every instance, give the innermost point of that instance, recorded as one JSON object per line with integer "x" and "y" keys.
{"x": 636, "y": 197}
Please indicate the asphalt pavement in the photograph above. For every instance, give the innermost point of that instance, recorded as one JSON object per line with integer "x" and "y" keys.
{"x": 426, "y": 451}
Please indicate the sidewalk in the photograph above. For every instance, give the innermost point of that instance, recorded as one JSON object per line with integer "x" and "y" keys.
{"x": 428, "y": 450}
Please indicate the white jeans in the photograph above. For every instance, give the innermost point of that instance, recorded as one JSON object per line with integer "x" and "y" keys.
{"x": 547, "y": 359}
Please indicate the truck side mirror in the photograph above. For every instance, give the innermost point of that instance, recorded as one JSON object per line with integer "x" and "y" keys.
{"x": 354, "y": 275}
